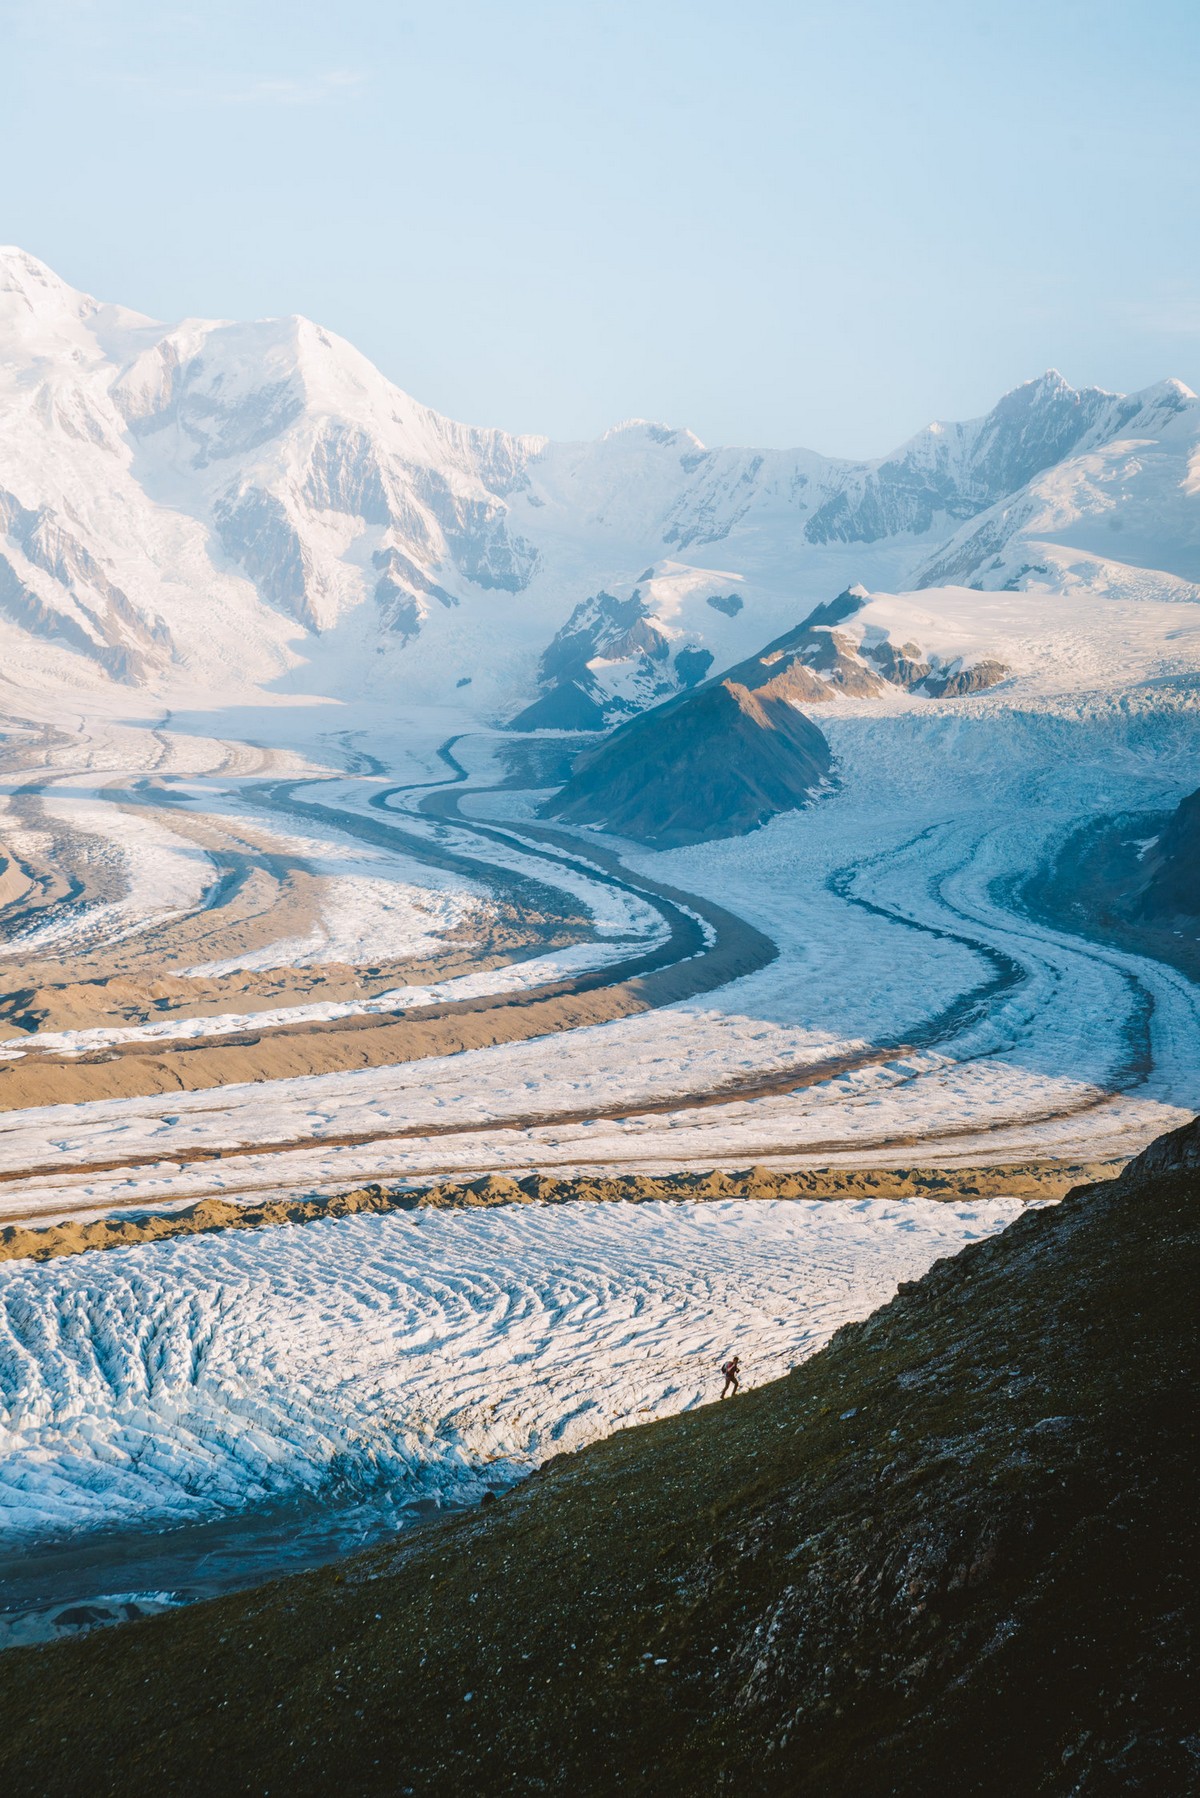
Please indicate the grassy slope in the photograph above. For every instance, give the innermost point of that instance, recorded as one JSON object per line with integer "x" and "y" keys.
{"x": 978, "y": 1583}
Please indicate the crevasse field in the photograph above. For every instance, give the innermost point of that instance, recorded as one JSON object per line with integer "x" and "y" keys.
{"x": 415, "y": 1356}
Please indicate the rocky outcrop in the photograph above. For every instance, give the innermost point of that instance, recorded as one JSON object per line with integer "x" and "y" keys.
{"x": 959, "y": 680}
{"x": 817, "y": 661}
{"x": 723, "y": 758}
{"x": 403, "y": 591}
{"x": 1177, "y": 1154}
{"x": 605, "y": 634}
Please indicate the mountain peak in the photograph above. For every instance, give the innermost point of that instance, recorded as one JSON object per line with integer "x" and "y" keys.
{"x": 253, "y": 484}
{"x": 1172, "y": 392}
{"x": 665, "y": 435}
{"x": 29, "y": 286}
{"x": 1051, "y": 378}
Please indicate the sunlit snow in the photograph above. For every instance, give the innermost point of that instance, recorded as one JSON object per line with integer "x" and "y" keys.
{"x": 414, "y": 1355}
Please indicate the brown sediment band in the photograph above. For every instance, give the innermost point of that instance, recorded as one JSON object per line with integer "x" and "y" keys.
{"x": 1029, "y": 1180}
{"x": 683, "y": 966}
{"x": 264, "y": 896}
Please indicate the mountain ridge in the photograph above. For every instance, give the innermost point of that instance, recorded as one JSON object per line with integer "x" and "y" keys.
{"x": 258, "y": 497}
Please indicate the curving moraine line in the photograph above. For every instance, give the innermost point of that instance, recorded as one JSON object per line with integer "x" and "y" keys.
{"x": 735, "y": 948}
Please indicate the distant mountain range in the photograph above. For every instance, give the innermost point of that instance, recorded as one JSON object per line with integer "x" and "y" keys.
{"x": 213, "y": 505}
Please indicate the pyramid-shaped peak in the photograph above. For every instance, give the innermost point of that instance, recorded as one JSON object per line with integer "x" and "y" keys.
{"x": 1171, "y": 392}
{"x": 1050, "y": 390}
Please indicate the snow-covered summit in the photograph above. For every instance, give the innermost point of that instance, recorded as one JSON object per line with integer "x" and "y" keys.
{"x": 31, "y": 292}
{"x": 221, "y": 504}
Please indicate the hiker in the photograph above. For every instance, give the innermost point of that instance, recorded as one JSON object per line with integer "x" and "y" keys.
{"x": 730, "y": 1370}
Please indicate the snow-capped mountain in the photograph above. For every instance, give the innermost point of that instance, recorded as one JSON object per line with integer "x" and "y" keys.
{"x": 211, "y": 504}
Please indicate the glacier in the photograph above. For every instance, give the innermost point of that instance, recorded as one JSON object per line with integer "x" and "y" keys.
{"x": 413, "y": 1356}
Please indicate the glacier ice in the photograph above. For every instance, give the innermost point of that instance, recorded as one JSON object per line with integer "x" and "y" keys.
{"x": 413, "y": 1354}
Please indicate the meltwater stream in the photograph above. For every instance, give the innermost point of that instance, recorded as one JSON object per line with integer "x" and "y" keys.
{"x": 194, "y": 1415}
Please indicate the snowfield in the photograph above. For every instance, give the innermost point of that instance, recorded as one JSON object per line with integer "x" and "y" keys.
{"x": 413, "y": 1355}
{"x": 347, "y": 540}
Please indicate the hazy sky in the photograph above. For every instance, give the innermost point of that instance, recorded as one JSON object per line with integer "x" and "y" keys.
{"x": 804, "y": 223}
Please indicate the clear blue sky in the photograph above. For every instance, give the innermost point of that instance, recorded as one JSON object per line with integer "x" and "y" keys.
{"x": 808, "y": 223}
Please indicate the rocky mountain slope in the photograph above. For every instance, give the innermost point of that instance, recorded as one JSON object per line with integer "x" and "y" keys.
{"x": 1132, "y": 880}
{"x": 715, "y": 763}
{"x": 952, "y": 1552}
{"x": 190, "y": 505}
{"x": 722, "y": 759}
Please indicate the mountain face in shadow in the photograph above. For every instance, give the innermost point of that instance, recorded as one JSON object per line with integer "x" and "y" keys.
{"x": 1173, "y": 887}
{"x": 714, "y": 763}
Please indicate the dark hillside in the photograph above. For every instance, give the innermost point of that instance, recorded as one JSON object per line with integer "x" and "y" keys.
{"x": 716, "y": 763}
{"x": 953, "y": 1554}
{"x": 1173, "y": 887}
{"x": 722, "y": 759}
{"x": 1133, "y": 880}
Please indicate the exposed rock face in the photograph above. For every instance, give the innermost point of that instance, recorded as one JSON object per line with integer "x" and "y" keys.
{"x": 255, "y": 529}
{"x": 816, "y": 661}
{"x": 1173, "y": 887}
{"x": 66, "y": 596}
{"x": 715, "y": 763}
{"x": 956, "y": 471}
{"x": 1174, "y": 1155}
{"x": 402, "y": 592}
{"x": 611, "y": 659}
{"x": 1013, "y": 541}
{"x": 21, "y": 603}
{"x": 957, "y": 683}
{"x": 616, "y": 657}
